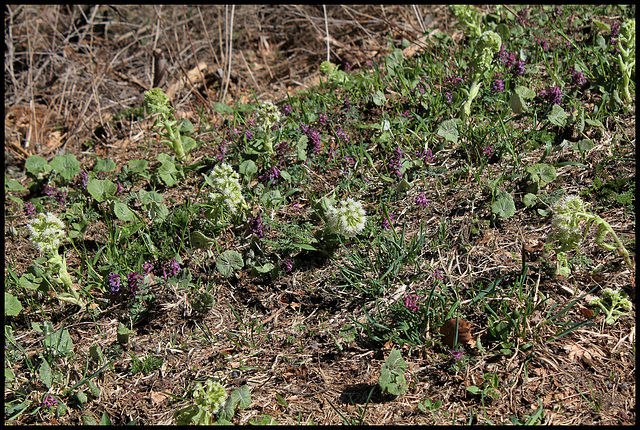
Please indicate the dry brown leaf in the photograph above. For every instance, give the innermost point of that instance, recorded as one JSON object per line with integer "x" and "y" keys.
{"x": 577, "y": 352}
{"x": 448, "y": 331}
{"x": 157, "y": 397}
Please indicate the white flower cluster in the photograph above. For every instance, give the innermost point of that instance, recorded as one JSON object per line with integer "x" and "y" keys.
{"x": 210, "y": 397}
{"x": 349, "y": 219}
{"x": 267, "y": 115}
{"x": 567, "y": 214}
{"x": 227, "y": 187}
{"x": 46, "y": 233}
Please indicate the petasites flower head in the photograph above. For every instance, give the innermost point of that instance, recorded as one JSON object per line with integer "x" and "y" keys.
{"x": 614, "y": 303}
{"x": 227, "y": 189}
{"x": 46, "y": 233}
{"x": 210, "y": 396}
{"x": 566, "y": 221}
{"x": 348, "y": 219}
{"x": 267, "y": 115}
{"x": 156, "y": 101}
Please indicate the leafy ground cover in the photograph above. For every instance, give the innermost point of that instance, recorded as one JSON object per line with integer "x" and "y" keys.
{"x": 442, "y": 233}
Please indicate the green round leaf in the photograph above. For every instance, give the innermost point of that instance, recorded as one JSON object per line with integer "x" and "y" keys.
{"x": 228, "y": 262}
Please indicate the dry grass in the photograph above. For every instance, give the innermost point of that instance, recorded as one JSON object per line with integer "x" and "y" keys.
{"x": 69, "y": 70}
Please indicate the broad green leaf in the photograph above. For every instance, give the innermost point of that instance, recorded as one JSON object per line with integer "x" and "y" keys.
{"x": 168, "y": 173}
{"x": 504, "y": 205}
{"x": 66, "y": 165}
{"x": 149, "y": 197}
{"x": 304, "y": 246}
{"x": 242, "y": 396}
{"x": 44, "y": 372}
{"x": 12, "y": 305}
{"x": 36, "y": 164}
{"x": 301, "y": 147}
{"x": 557, "y": 116}
{"x": 123, "y": 212}
{"x": 138, "y": 166}
{"x": 392, "y": 379}
{"x": 186, "y": 126}
{"x": 199, "y": 240}
{"x": 59, "y": 341}
{"x": 525, "y": 92}
{"x": 247, "y": 168}
{"x": 517, "y": 103}
{"x": 104, "y": 165}
{"x": 88, "y": 419}
{"x": 228, "y": 262}
{"x": 583, "y": 145}
{"x": 101, "y": 189}
{"x": 529, "y": 199}
{"x": 13, "y": 185}
{"x": 542, "y": 173}
{"x": 379, "y": 99}
{"x": 105, "y": 421}
{"x": 222, "y": 108}
{"x": 449, "y": 130}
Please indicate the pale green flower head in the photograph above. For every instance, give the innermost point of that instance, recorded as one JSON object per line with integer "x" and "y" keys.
{"x": 487, "y": 45}
{"x": 227, "y": 189}
{"x": 210, "y": 396}
{"x": 267, "y": 115}
{"x": 156, "y": 101}
{"x": 46, "y": 233}
{"x": 349, "y": 219}
{"x": 567, "y": 214}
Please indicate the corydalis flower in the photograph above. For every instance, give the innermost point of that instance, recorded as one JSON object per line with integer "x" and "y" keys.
{"x": 46, "y": 233}
{"x": 348, "y": 219}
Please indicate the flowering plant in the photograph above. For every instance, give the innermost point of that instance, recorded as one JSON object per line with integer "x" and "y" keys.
{"x": 613, "y": 303}
{"x": 627, "y": 55}
{"x": 227, "y": 190}
{"x": 349, "y": 219}
{"x": 209, "y": 400}
{"x": 46, "y": 234}
{"x": 486, "y": 47}
{"x": 569, "y": 214}
{"x": 157, "y": 103}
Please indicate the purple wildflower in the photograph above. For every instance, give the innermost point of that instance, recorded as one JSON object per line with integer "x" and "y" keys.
{"x": 369, "y": 63}
{"x": 29, "y": 208}
{"x": 488, "y": 151}
{"x": 118, "y": 188}
{"x": 448, "y": 97}
{"x": 342, "y": 135}
{"x": 114, "y": 284}
{"x": 457, "y": 355}
{"x": 422, "y": 201}
{"x": 386, "y": 223}
{"x": 271, "y": 176}
{"x": 427, "y": 156}
{"x": 84, "y": 178}
{"x": 577, "y": 78}
{"x": 249, "y": 135}
{"x": 544, "y": 44}
{"x": 497, "y": 86}
{"x": 49, "y": 401}
{"x": 346, "y": 104}
{"x": 347, "y": 66}
{"x": 171, "y": 268}
{"x": 134, "y": 279}
{"x": 394, "y": 163}
{"x": 286, "y": 110}
{"x": 553, "y": 96}
{"x": 322, "y": 119}
{"x": 147, "y": 268}
{"x": 438, "y": 274}
{"x": 518, "y": 68}
{"x": 286, "y": 265}
{"x": 256, "y": 226}
{"x": 411, "y": 302}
